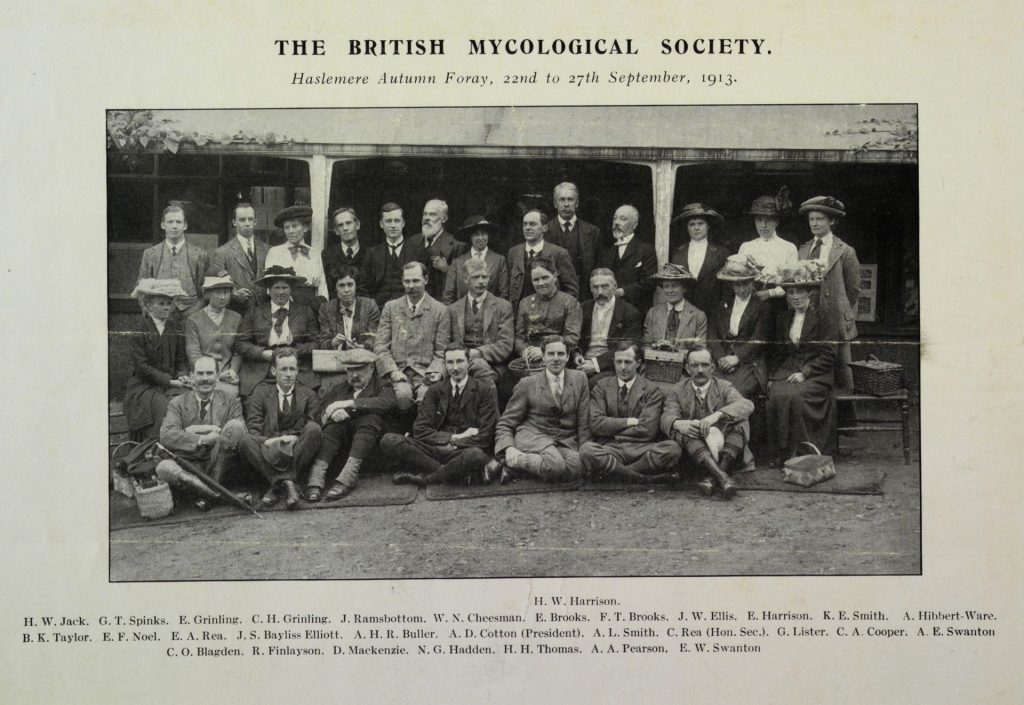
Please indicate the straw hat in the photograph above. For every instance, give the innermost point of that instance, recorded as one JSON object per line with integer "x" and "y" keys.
{"x": 825, "y": 204}
{"x": 698, "y": 210}
{"x": 673, "y": 272}
{"x": 277, "y": 272}
{"x": 158, "y": 287}
{"x": 218, "y": 282}
{"x": 738, "y": 268}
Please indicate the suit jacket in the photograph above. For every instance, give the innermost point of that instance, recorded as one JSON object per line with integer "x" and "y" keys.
{"x": 373, "y": 265}
{"x": 455, "y": 283}
{"x": 377, "y": 397}
{"x": 681, "y": 403}
{"x": 535, "y": 420}
{"x": 706, "y": 292}
{"x": 634, "y": 271}
{"x": 583, "y": 245}
{"x": 608, "y": 423}
{"x": 751, "y": 344}
{"x": 262, "y": 412}
{"x": 156, "y": 360}
{"x": 814, "y": 355}
{"x": 365, "y": 319}
{"x": 230, "y": 258}
{"x": 692, "y": 324}
{"x": 254, "y": 338}
{"x": 497, "y": 325}
{"x": 627, "y": 324}
{"x": 334, "y": 260}
{"x": 198, "y": 263}
{"x": 412, "y": 341}
{"x": 183, "y": 411}
{"x": 444, "y": 245}
{"x": 480, "y": 402}
{"x": 517, "y": 274}
{"x": 537, "y": 319}
{"x": 841, "y": 286}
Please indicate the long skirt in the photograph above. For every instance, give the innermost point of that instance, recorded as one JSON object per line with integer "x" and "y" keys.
{"x": 745, "y": 381}
{"x": 803, "y": 412}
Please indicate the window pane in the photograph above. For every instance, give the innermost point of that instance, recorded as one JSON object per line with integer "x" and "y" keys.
{"x": 200, "y": 201}
{"x": 130, "y": 211}
{"x": 127, "y": 163}
{"x": 189, "y": 164}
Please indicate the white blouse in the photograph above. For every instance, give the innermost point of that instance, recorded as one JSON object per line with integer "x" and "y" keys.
{"x": 307, "y": 264}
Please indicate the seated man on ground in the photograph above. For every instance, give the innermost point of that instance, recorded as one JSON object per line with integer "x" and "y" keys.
{"x": 708, "y": 418}
{"x": 546, "y": 421}
{"x": 353, "y": 419}
{"x": 204, "y": 427}
{"x": 454, "y": 429}
{"x": 284, "y": 435}
{"x": 625, "y": 411}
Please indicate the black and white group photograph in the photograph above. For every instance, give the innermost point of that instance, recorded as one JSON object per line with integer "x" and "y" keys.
{"x": 483, "y": 342}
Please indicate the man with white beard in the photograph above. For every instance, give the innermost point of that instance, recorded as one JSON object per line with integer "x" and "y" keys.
{"x": 440, "y": 245}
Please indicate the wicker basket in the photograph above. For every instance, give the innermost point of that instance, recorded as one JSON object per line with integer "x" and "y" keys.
{"x": 154, "y": 502}
{"x": 807, "y": 470}
{"x": 877, "y": 378}
{"x": 664, "y": 365}
{"x": 520, "y": 368}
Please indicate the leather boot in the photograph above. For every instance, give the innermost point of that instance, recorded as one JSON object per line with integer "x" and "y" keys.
{"x": 176, "y": 476}
{"x": 291, "y": 494}
{"x": 315, "y": 485}
{"x": 728, "y": 485}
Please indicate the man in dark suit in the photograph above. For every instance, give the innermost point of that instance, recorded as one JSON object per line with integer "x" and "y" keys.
{"x": 353, "y": 418}
{"x": 478, "y": 230}
{"x": 545, "y": 422}
{"x": 520, "y": 284}
{"x": 284, "y": 435}
{"x": 440, "y": 246}
{"x": 243, "y": 258}
{"x": 581, "y": 239}
{"x": 275, "y": 323}
{"x": 454, "y": 428}
{"x": 607, "y": 321}
{"x": 347, "y": 252}
{"x": 841, "y": 282}
{"x": 625, "y": 412}
{"x": 174, "y": 258}
{"x": 382, "y": 268}
{"x": 634, "y": 262}
{"x": 203, "y": 426}
{"x": 482, "y": 323}
{"x": 700, "y": 257}
{"x": 707, "y": 417}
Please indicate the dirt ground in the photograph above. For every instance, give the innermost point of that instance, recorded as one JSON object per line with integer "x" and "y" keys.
{"x": 559, "y": 534}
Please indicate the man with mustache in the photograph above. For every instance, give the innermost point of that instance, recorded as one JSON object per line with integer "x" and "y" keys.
{"x": 608, "y": 320}
{"x": 707, "y": 417}
{"x": 348, "y": 252}
{"x": 580, "y": 239}
{"x": 633, "y": 262}
{"x": 440, "y": 246}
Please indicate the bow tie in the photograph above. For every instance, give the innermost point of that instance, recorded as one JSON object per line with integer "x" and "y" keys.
{"x": 296, "y": 249}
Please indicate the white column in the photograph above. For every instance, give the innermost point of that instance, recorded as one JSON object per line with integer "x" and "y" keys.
{"x": 664, "y": 175}
{"x": 319, "y": 196}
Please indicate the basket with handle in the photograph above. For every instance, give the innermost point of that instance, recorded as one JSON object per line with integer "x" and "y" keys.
{"x": 807, "y": 470}
{"x": 154, "y": 500}
{"x": 520, "y": 368}
{"x": 664, "y": 365}
{"x": 119, "y": 477}
{"x": 876, "y": 377}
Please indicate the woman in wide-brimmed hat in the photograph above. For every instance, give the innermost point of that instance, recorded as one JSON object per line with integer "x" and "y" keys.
{"x": 768, "y": 249}
{"x": 676, "y": 324}
{"x": 740, "y": 331}
{"x": 801, "y": 402}
{"x": 295, "y": 253}
{"x": 212, "y": 330}
{"x": 157, "y": 350}
{"x": 699, "y": 256}
{"x": 478, "y": 231}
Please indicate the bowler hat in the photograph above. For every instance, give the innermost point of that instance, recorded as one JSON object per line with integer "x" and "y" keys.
{"x": 303, "y": 213}
{"x": 673, "y": 272}
{"x": 825, "y": 204}
{"x": 277, "y": 272}
{"x": 476, "y": 222}
{"x": 698, "y": 210}
{"x": 158, "y": 287}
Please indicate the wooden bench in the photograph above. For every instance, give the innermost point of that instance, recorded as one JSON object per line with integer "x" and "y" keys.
{"x": 901, "y": 400}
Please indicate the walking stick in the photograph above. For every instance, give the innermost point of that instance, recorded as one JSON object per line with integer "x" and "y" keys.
{"x": 192, "y": 468}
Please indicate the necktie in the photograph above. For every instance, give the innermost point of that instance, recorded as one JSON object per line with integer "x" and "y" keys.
{"x": 456, "y": 395}
{"x": 348, "y": 253}
{"x": 286, "y": 405}
{"x": 816, "y": 248}
{"x": 476, "y": 307}
{"x": 347, "y": 312}
{"x": 623, "y": 395}
{"x": 673, "y": 325}
{"x": 279, "y": 316}
{"x": 558, "y": 389}
{"x": 394, "y": 250}
{"x": 174, "y": 251}
{"x": 702, "y": 406}
{"x": 251, "y": 256}
{"x": 203, "y": 405}
{"x": 566, "y": 229}
{"x": 531, "y": 254}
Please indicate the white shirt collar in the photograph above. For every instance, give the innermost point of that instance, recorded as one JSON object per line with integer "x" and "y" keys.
{"x": 282, "y": 394}
{"x": 678, "y": 307}
{"x": 571, "y": 223}
{"x": 479, "y": 299}
{"x": 354, "y": 248}
{"x": 401, "y": 241}
{"x": 535, "y": 248}
{"x": 827, "y": 240}
{"x": 625, "y": 241}
{"x": 699, "y": 244}
{"x": 628, "y": 385}
{"x": 478, "y": 253}
{"x": 246, "y": 243}
{"x": 416, "y": 306}
{"x": 177, "y": 247}
{"x": 702, "y": 391}
{"x": 552, "y": 379}
{"x": 605, "y": 307}
{"x": 458, "y": 387}
{"x": 274, "y": 307}
{"x": 158, "y": 323}
{"x": 199, "y": 400}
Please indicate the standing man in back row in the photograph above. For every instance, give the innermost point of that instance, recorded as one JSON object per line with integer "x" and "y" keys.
{"x": 382, "y": 268}
{"x": 580, "y": 238}
{"x": 440, "y": 246}
{"x": 174, "y": 258}
{"x": 243, "y": 257}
